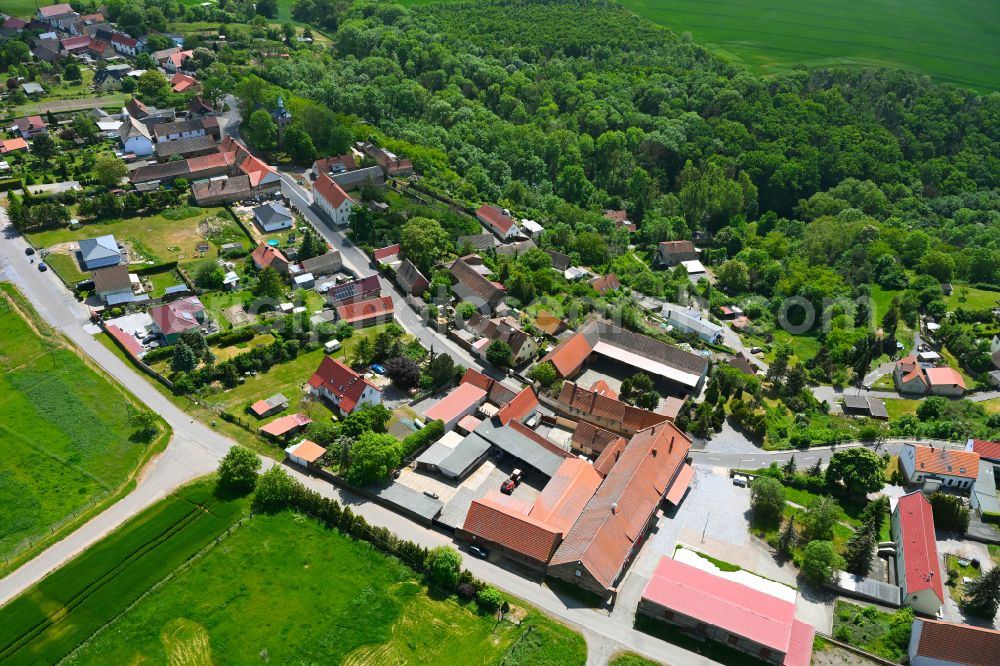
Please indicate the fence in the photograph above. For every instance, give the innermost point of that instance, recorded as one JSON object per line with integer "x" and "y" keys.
{"x": 136, "y": 361}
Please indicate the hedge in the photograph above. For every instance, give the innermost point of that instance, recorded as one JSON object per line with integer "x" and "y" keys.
{"x": 158, "y": 354}
{"x": 427, "y": 435}
{"x": 990, "y": 517}
{"x": 227, "y": 338}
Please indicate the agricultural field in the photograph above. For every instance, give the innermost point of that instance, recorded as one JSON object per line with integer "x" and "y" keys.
{"x": 341, "y": 602}
{"x": 64, "y": 432}
{"x": 158, "y": 240}
{"x": 952, "y": 41}
{"x": 54, "y": 617}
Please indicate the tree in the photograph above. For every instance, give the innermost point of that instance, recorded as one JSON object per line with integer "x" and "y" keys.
{"x": 71, "y": 72}
{"x": 372, "y": 458}
{"x": 499, "y": 354}
{"x": 43, "y": 147}
{"x": 938, "y": 265}
{"x": 299, "y": 145}
{"x": 267, "y": 8}
{"x": 789, "y": 467}
{"x": 874, "y": 514}
{"x": 109, "y": 170}
{"x": 269, "y": 284}
{"x": 184, "y": 359}
{"x": 820, "y": 561}
{"x": 545, "y": 374}
{"x": 932, "y": 408}
{"x": 422, "y": 241}
{"x": 490, "y": 599}
{"x": 441, "y": 369}
{"x": 363, "y": 351}
{"x": 861, "y": 470}
{"x": 859, "y": 552}
{"x": 153, "y": 87}
{"x": 275, "y": 489}
{"x": 84, "y": 126}
{"x": 238, "y": 469}
{"x": 311, "y": 246}
{"x": 444, "y": 565}
{"x": 734, "y": 277}
{"x": 261, "y": 131}
{"x": 787, "y": 538}
{"x": 210, "y": 275}
{"x": 817, "y": 469}
{"x": 950, "y": 513}
{"x": 982, "y": 595}
{"x": 820, "y": 517}
{"x": 767, "y": 501}
{"x": 145, "y": 420}
{"x": 404, "y": 372}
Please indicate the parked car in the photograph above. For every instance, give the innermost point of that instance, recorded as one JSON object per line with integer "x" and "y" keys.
{"x": 740, "y": 481}
{"x": 378, "y": 369}
{"x": 42, "y": 267}
{"x": 507, "y": 487}
{"x": 29, "y": 251}
{"x": 432, "y": 494}
{"x": 756, "y": 350}
{"x": 478, "y": 551}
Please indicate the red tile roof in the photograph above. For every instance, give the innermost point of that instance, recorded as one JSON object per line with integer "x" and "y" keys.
{"x": 330, "y": 191}
{"x": 286, "y": 424}
{"x": 256, "y": 169}
{"x": 916, "y": 524}
{"x": 610, "y": 455}
{"x": 988, "y": 450}
{"x": 568, "y": 356}
{"x": 264, "y": 255}
{"x": 347, "y": 161}
{"x": 133, "y": 346}
{"x": 566, "y": 494}
{"x": 14, "y": 23}
{"x": 590, "y": 403}
{"x": 523, "y": 404}
{"x": 499, "y": 394}
{"x": 375, "y": 308}
{"x": 601, "y": 387}
{"x": 602, "y": 540}
{"x": 385, "y": 252}
{"x": 589, "y": 436}
{"x": 30, "y": 123}
{"x": 54, "y": 10}
{"x": 956, "y": 643}
{"x": 730, "y": 606}
{"x": 944, "y": 377}
{"x": 12, "y": 145}
{"x": 494, "y": 217}
{"x": 456, "y": 402}
{"x": 178, "y": 316}
{"x": 124, "y": 40}
{"x": 680, "y": 485}
{"x": 339, "y": 380}
{"x": 182, "y": 82}
{"x": 677, "y": 247}
{"x": 603, "y": 285}
{"x": 494, "y": 519}
{"x": 79, "y": 42}
{"x": 933, "y": 460}
{"x": 911, "y": 369}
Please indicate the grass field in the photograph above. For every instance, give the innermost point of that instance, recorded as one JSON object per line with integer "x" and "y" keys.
{"x": 64, "y": 430}
{"x": 632, "y": 659}
{"x": 329, "y": 599}
{"x": 955, "y": 41}
{"x": 54, "y": 617}
{"x": 171, "y": 235}
{"x": 971, "y": 298}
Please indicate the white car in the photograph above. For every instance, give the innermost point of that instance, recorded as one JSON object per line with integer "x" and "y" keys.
{"x": 740, "y": 481}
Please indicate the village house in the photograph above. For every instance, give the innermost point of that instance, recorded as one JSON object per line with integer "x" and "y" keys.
{"x": 606, "y": 284}
{"x": 671, "y": 253}
{"x": 692, "y": 322}
{"x": 60, "y": 16}
{"x": 936, "y": 467}
{"x": 265, "y": 256}
{"x": 342, "y": 387}
{"x": 472, "y": 287}
{"x": 917, "y": 567}
{"x": 272, "y": 216}
{"x": 135, "y": 137}
{"x": 186, "y": 129}
{"x": 182, "y": 83}
{"x": 113, "y": 285}
{"x": 936, "y": 643}
{"x": 620, "y": 218}
{"x": 498, "y": 221}
{"x": 14, "y": 145}
{"x": 362, "y": 289}
{"x": 367, "y": 313}
{"x": 171, "y": 320}
{"x": 504, "y": 329}
{"x": 30, "y": 126}
{"x": 99, "y": 252}
{"x": 411, "y": 279}
{"x": 910, "y": 376}
{"x": 333, "y": 200}
{"x": 605, "y": 411}
{"x": 125, "y": 44}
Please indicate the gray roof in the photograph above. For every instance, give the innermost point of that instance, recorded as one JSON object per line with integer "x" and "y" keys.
{"x": 514, "y": 443}
{"x": 877, "y": 408}
{"x": 277, "y": 399}
{"x": 868, "y": 588}
{"x": 481, "y": 241}
{"x": 118, "y": 299}
{"x": 855, "y": 401}
{"x": 324, "y": 264}
{"x": 112, "y": 278}
{"x": 351, "y": 179}
{"x": 435, "y": 453}
{"x": 412, "y": 500}
{"x": 516, "y": 249}
{"x": 192, "y": 144}
{"x": 176, "y": 289}
{"x": 271, "y": 212}
{"x": 102, "y": 247}
{"x": 465, "y": 453}
{"x": 986, "y": 486}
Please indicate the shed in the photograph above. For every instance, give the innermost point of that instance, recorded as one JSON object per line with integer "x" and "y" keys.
{"x": 305, "y": 453}
{"x": 304, "y": 281}
{"x": 272, "y": 216}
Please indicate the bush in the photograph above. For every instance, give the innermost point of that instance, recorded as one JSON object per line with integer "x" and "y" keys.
{"x": 228, "y": 338}
{"x": 444, "y": 565}
{"x": 238, "y": 469}
{"x": 158, "y": 354}
{"x": 820, "y": 561}
{"x": 767, "y": 501}
{"x": 489, "y": 599}
{"x": 467, "y": 591}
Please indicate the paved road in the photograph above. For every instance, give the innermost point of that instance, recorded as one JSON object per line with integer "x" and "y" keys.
{"x": 804, "y": 457}
{"x": 195, "y": 450}
{"x": 52, "y": 188}
{"x": 832, "y": 395}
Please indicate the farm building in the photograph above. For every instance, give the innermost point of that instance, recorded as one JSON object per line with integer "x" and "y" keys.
{"x": 917, "y": 566}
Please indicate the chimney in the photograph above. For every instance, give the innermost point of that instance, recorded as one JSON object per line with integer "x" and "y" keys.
{"x": 614, "y": 508}
{"x": 671, "y": 445}
{"x": 654, "y": 451}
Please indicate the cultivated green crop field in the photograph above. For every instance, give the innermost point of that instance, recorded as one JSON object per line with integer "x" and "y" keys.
{"x": 957, "y": 41}
{"x": 284, "y": 589}
{"x": 54, "y": 617}
{"x": 65, "y": 441}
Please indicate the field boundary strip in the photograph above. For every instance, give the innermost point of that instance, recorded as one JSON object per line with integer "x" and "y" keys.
{"x": 187, "y": 564}
{"x": 25, "y": 639}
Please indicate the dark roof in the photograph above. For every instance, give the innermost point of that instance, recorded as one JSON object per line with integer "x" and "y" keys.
{"x": 355, "y": 288}
{"x": 594, "y": 404}
{"x": 194, "y": 144}
{"x": 546, "y": 459}
{"x": 165, "y": 171}
{"x": 178, "y": 126}
{"x": 413, "y": 280}
{"x": 112, "y": 278}
{"x": 476, "y": 283}
{"x": 560, "y": 261}
{"x": 481, "y": 241}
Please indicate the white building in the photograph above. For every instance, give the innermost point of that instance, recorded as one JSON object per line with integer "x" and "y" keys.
{"x": 691, "y": 321}
{"x": 333, "y": 200}
{"x": 135, "y": 137}
{"x": 938, "y": 467}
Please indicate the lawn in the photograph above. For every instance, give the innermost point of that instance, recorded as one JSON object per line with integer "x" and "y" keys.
{"x": 884, "y": 634}
{"x": 972, "y": 299}
{"x": 169, "y": 236}
{"x": 341, "y": 601}
{"x": 54, "y": 617}
{"x": 67, "y": 445}
{"x": 956, "y": 585}
{"x": 631, "y": 659}
{"x": 900, "y": 407}
{"x": 803, "y": 347}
